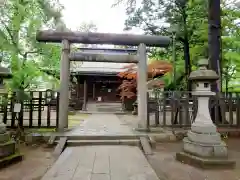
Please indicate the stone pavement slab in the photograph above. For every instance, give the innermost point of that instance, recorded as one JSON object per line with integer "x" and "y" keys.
{"x": 101, "y": 163}
{"x": 101, "y": 124}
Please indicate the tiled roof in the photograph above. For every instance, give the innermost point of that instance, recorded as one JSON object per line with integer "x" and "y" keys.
{"x": 101, "y": 67}
{"x": 96, "y": 67}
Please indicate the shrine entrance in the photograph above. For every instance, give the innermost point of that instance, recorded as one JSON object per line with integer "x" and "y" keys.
{"x": 100, "y": 87}
{"x": 66, "y": 38}
{"x": 107, "y": 92}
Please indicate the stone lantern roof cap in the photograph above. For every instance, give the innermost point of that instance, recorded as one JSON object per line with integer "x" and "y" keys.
{"x": 203, "y": 73}
{"x": 5, "y": 72}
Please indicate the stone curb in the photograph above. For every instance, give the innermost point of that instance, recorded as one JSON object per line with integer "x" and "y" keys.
{"x": 154, "y": 138}
{"x": 133, "y": 142}
{"x": 17, "y": 157}
{"x": 98, "y": 112}
{"x": 101, "y": 137}
{"x": 164, "y": 137}
{"x": 152, "y": 142}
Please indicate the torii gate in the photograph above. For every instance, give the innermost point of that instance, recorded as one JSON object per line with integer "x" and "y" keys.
{"x": 66, "y": 38}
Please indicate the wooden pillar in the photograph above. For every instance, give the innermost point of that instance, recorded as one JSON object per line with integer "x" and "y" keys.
{"x": 142, "y": 87}
{"x": 78, "y": 88}
{"x": 94, "y": 89}
{"x": 64, "y": 86}
{"x": 85, "y": 95}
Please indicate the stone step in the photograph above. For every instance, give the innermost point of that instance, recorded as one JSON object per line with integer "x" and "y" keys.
{"x": 14, "y": 158}
{"x": 7, "y": 149}
{"x": 130, "y": 142}
{"x": 105, "y": 112}
{"x": 100, "y": 137}
{"x": 4, "y": 137}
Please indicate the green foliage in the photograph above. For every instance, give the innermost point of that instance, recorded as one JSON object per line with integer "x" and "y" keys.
{"x": 32, "y": 63}
{"x": 20, "y": 20}
{"x": 155, "y": 17}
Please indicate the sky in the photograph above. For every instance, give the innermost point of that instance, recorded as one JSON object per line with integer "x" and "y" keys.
{"x": 107, "y": 19}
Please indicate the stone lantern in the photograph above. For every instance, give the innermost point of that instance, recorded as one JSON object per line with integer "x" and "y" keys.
{"x": 203, "y": 146}
{"x": 8, "y": 152}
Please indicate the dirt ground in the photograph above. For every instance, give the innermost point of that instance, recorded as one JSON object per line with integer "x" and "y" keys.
{"x": 164, "y": 163}
{"x": 37, "y": 160}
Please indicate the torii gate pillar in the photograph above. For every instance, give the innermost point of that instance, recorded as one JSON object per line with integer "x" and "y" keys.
{"x": 142, "y": 88}
{"x": 64, "y": 86}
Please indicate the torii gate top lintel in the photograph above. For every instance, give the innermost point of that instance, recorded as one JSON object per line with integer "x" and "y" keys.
{"x": 102, "y": 38}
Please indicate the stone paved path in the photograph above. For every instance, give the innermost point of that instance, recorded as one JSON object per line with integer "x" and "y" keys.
{"x": 102, "y": 124}
{"x": 116, "y": 162}
{"x": 101, "y": 163}
{"x": 104, "y": 107}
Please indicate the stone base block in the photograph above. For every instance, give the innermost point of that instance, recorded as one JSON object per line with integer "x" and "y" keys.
{"x": 4, "y": 137}
{"x": 4, "y": 162}
{"x": 203, "y": 127}
{"x": 205, "y": 163}
{"x": 205, "y": 150}
{"x": 33, "y": 138}
{"x": 213, "y": 138}
{"x": 7, "y": 149}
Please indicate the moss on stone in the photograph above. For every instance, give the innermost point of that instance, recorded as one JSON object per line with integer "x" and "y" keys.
{"x": 4, "y": 138}
{"x": 7, "y": 143}
{"x": 10, "y": 159}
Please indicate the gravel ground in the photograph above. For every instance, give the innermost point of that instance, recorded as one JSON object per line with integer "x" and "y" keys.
{"x": 37, "y": 160}
{"x": 164, "y": 163}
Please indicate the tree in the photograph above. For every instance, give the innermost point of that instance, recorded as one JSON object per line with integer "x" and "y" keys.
{"x": 84, "y": 27}
{"x": 88, "y": 27}
{"x": 191, "y": 19}
{"x": 52, "y": 68}
{"x": 230, "y": 43}
{"x": 214, "y": 38}
{"x": 154, "y": 70}
{"x": 153, "y": 16}
{"x": 20, "y": 20}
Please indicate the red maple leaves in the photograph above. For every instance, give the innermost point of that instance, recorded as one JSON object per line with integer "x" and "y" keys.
{"x": 128, "y": 88}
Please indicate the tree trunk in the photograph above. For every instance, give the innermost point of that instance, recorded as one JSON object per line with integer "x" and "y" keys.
{"x": 214, "y": 45}
{"x": 214, "y": 38}
{"x": 186, "y": 51}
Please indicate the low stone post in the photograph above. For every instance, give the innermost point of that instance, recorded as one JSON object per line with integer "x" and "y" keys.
{"x": 203, "y": 146}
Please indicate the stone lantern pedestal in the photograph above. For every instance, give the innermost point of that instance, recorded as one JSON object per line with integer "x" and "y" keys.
{"x": 8, "y": 152}
{"x": 203, "y": 146}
